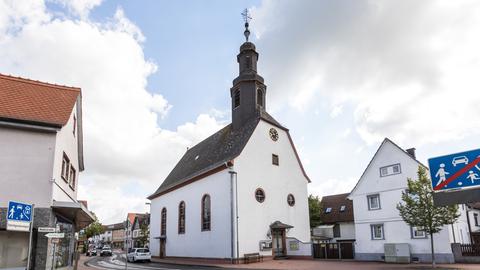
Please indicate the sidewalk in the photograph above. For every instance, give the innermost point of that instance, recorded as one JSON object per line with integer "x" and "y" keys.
{"x": 81, "y": 263}
{"x": 316, "y": 264}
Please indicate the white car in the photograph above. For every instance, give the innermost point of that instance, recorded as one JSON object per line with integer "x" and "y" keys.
{"x": 459, "y": 160}
{"x": 139, "y": 254}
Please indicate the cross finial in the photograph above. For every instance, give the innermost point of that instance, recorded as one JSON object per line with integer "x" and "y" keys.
{"x": 246, "y": 18}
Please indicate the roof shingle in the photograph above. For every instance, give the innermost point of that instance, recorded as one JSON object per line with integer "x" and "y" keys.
{"x": 38, "y": 102}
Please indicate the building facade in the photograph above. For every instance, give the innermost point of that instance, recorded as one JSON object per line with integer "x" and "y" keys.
{"x": 335, "y": 237}
{"x": 40, "y": 161}
{"x": 242, "y": 190}
{"x": 377, "y": 221}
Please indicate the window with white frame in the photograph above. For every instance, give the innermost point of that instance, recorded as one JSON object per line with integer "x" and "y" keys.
{"x": 342, "y": 208}
{"x": 390, "y": 170}
{"x": 377, "y": 232}
{"x": 416, "y": 233}
{"x": 373, "y": 202}
{"x": 328, "y": 210}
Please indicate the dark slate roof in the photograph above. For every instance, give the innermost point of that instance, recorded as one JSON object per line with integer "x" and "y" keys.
{"x": 335, "y": 202}
{"x": 214, "y": 151}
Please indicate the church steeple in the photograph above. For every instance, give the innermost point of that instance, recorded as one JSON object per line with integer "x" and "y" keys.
{"x": 248, "y": 92}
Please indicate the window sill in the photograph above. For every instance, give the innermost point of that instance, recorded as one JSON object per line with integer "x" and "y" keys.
{"x": 374, "y": 209}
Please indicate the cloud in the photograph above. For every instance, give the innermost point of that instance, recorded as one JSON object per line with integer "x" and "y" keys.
{"x": 79, "y": 7}
{"x": 409, "y": 68}
{"x": 127, "y": 153}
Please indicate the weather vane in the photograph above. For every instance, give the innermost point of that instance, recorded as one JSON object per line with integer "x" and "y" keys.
{"x": 246, "y": 18}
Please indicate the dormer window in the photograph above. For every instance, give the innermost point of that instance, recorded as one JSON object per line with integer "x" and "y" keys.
{"x": 328, "y": 210}
{"x": 342, "y": 208}
{"x": 236, "y": 99}
{"x": 259, "y": 97}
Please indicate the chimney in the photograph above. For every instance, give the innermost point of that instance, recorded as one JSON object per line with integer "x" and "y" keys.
{"x": 411, "y": 152}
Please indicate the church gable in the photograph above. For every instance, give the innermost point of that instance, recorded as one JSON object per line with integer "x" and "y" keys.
{"x": 271, "y": 145}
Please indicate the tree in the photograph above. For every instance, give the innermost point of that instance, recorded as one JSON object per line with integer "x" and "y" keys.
{"x": 417, "y": 209}
{"x": 315, "y": 209}
{"x": 95, "y": 228}
{"x": 145, "y": 234}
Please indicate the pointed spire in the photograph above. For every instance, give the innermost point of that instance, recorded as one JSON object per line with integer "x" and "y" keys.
{"x": 246, "y": 18}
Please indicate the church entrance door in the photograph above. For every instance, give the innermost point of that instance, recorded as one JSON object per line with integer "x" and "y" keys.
{"x": 278, "y": 243}
{"x": 162, "y": 248}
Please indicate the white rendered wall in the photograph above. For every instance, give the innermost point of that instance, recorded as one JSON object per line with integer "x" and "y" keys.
{"x": 390, "y": 189}
{"x": 347, "y": 231}
{"x": 255, "y": 170}
{"x": 26, "y": 161}
{"x": 66, "y": 142}
{"x": 195, "y": 242}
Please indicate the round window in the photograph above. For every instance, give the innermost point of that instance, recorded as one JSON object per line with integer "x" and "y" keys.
{"x": 291, "y": 200}
{"x": 260, "y": 195}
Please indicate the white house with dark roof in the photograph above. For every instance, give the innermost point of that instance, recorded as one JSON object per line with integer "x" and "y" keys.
{"x": 242, "y": 190}
{"x": 377, "y": 221}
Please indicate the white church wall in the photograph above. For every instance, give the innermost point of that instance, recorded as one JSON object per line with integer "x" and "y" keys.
{"x": 195, "y": 242}
{"x": 296, "y": 247}
{"x": 255, "y": 170}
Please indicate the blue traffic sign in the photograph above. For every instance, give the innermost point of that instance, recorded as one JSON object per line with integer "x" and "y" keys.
{"x": 460, "y": 170}
{"x": 19, "y": 211}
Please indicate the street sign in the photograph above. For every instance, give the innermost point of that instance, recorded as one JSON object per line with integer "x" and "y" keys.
{"x": 455, "y": 171}
{"x": 19, "y": 211}
{"x": 19, "y": 226}
{"x": 19, "y": 216}
{"x": 47, "y": 229}
{"x": 55, "y": 235}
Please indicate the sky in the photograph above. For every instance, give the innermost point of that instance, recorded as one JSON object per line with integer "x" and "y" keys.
{"x": 341, "y": 75}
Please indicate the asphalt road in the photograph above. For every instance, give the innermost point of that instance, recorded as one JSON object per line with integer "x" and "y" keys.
{"x": 117, "y": 261}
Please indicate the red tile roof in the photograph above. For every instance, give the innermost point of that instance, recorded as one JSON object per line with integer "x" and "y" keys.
{"x": 335, "y": 202}
{"x": 38, "y": 102}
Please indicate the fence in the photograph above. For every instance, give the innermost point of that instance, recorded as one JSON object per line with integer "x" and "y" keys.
{"x": 470, "y": 249}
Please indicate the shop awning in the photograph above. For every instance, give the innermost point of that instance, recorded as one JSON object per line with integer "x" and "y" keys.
{"x": 74, "y": 211}
{"x": 279, "y": 225}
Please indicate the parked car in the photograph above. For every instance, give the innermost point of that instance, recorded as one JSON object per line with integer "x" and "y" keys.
{"x": 139, "y": 254}
{"x": 106, "y": 251}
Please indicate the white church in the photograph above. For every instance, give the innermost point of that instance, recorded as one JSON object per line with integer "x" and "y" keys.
{"x": 239, "y": 193}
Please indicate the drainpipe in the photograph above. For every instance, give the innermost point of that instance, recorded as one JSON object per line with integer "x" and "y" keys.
{"x": 233, "y": 214}
{"x": 469, "y": 227}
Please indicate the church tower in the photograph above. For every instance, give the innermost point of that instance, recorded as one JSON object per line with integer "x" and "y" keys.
{"x": 248, "y": 92}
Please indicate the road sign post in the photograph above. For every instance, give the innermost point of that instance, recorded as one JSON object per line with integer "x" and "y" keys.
{"x": 455, "y": 177}
{"x": 29, "y": 256}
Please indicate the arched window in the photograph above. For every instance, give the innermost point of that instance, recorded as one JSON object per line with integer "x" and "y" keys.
{"x": 236, "y": 99}
{"x": 163, "y": 225}
{"x": 206, "y": 213}
{"x": 260, "y": 195}
{"x": 181, "y": 217}
{"x": 259, "y": 97}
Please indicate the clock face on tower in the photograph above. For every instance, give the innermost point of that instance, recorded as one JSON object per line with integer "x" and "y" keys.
{"x": 273, "y": 134}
